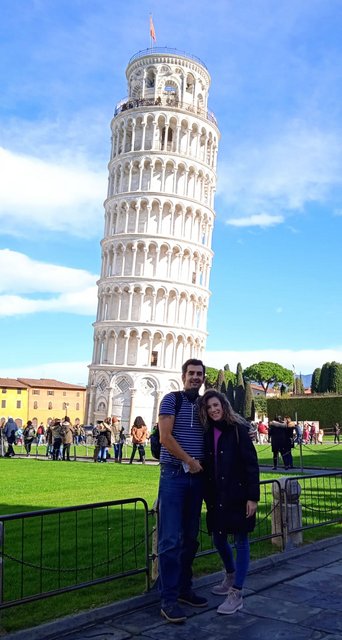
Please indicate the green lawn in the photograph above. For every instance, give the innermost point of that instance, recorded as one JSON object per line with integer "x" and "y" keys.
{"x": 41, "y": 484}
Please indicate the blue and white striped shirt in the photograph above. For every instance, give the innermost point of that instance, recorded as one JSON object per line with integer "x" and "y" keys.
{"x": 187, "y": 429}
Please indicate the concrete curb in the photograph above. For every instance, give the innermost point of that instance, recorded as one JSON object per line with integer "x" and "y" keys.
{"x": 72, "y": 623}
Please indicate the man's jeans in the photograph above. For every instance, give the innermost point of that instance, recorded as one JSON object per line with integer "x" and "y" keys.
{"x": 180, "y": 502}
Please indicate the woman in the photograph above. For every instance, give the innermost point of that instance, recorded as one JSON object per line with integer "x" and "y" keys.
{"x": 231, "y": 491}
{"x": 29, "y": 435}
{"x": 139, "y": 435}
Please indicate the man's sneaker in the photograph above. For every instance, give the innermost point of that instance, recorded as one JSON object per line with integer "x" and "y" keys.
{"x": 193, "y": 599}
{"x": 232, "y": 603}
{"x": 173, "y": 612}
{"x": 224, "y": 586}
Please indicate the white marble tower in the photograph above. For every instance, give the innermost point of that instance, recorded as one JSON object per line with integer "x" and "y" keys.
{"x": 153, "y": 292}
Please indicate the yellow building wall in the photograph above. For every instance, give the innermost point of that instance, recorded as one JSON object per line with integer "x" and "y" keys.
{"x": 50, "y": 403}
{"x": 10, "y": 399}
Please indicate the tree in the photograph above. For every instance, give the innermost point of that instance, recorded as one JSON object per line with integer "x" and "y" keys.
{"x": 299, "y": 387}
{"x": 220, "y": 381}
{"x": 248, "y": 405}
{"x": 315, "y": 380}
{"x": 324, "y": 379}
{"x": 230, "y": 393}
{"x": 239, "y": 390}
{"x": 226, "y": 367}
{"x": 335, "y": 377}
{"x": 266, "y": 373}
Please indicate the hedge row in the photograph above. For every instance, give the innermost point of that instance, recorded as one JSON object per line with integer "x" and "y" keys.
{"x": 327, "y": 409}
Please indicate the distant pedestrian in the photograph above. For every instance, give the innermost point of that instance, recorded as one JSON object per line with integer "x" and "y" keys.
{"x": 104, "y": 439}
{"x": 67, "y": 432}
{"x": 337, "y": 431}
{"x": 9, "y": 432}
{"x": 56, "y": 439}
{"x": 139, "y": 436}
{"x": 29, "y": 435}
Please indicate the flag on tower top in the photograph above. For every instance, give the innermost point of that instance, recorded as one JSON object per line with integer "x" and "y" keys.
{"x": 152, "y": 30}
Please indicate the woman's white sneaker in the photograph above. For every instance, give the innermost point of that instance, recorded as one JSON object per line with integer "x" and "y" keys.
{"x": 224, "y": 586}
{"x": 232, "y": 603}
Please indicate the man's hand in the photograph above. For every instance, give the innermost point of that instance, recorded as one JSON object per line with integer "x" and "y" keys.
{"x": 195, "y": 466}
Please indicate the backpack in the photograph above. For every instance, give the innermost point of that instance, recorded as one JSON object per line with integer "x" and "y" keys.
{"x": 155, "y": 435}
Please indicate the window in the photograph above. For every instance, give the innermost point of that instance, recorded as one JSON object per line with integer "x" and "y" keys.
{"x": 78, "y": 394}
{"x": 36, "y": 392}
{"x": 35, "y": 405}
{"x": 50, "y": 393}
{"x": 18, "y": 404}
{"x": 50, "y": 406}
{"x": 3, "y": 404}
{"x": 64, "y": 393}
{"x": 154, "y": 358}
{"x": 77, "y": 406}
{"x": 3, "y": 390}
{"x": 18, "y": 391}
{"x": 193, "y": 279}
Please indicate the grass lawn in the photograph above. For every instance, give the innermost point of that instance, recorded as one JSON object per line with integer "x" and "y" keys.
{"x": 325, "y": 456}
{"x": 41, "y": 484}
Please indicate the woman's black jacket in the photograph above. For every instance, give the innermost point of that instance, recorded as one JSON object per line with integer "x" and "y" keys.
{"x": 233, "y": 481}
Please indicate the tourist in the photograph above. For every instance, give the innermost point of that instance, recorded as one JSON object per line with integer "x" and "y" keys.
{"x": 29, "y": 435}
{"x": 104, "y": 439}
{"x": 279, "y": 436}
{"x": 56, "y": 439}
{"x": 180, "y": 493}
{"x": 67, "y": 433}
{"x": 231, "y": 492}
{"x": 337, "y": 431}
{"x": 139, "y": 437}
{"x": 9, "y": 431}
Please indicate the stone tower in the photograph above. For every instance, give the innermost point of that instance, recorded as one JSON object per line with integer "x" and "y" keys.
{"x": 153, "y": 292}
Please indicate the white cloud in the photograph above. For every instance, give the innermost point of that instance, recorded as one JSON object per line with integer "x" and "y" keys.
{"x": 58, "y": 196}
{"x": 305, "y": 360}
{"x": 291, "y": 166}
{"x": 75, "y": 288}
{"x": 256, "y": 220}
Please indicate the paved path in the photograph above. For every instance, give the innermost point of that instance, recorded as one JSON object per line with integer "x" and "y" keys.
{"x": 296, "y": 595}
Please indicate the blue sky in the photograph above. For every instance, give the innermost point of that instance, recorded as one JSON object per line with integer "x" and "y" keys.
{"x": 276, "y": 92}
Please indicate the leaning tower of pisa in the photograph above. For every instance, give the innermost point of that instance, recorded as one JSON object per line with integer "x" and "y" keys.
{"x": 153, "y": 292}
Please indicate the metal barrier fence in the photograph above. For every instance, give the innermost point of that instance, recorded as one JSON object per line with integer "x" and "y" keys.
{"x": 53, "y": 551}
{"x": 49, "y": 552}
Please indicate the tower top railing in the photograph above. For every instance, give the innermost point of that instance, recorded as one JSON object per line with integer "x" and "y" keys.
{"x": 135, "y": 103}
{"x": 166, "y": 51}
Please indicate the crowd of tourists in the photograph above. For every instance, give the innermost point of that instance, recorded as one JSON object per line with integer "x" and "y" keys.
{"x": 58, "y": 436}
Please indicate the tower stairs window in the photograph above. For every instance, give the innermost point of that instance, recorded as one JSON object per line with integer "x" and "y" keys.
{"x": 154, "y": 358}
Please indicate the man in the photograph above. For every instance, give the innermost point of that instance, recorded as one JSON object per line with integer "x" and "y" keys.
{"x": 9, "y": 431}
{"x": 180, "y": 493}
{"x": 67, "y": 433}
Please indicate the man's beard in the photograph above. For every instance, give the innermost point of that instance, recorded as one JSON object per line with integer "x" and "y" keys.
{"x": 192, "y": 394}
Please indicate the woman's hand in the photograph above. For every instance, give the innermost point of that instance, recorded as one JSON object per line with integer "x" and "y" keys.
{"x": 251, "y": 508}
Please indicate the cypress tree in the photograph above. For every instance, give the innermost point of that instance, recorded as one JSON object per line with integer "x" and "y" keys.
{"x": 239, "y": 390}
{"x": 315, "y": 380}
{"x": 220, "y": 380}
{"x": 324, "y": 379}
{"x": 248, "y": 404}
{"x": 335, "y": 378}
{"x": 230, "y": 393}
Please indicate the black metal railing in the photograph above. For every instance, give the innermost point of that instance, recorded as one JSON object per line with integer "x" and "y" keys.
{"x": 165, "y": 101}
{"x": 49, "y": 552}
{"x": 53, "y": 551}
{"x": 165, "y": 51}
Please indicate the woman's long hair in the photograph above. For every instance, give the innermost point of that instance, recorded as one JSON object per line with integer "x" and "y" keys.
{"x": 229, "y": 415}
{"x": 139, "y": 422}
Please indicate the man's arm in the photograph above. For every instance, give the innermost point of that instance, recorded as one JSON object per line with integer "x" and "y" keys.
{"x": 166, "y": 423}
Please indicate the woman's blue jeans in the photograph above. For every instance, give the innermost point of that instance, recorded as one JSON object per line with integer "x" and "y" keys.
{"x": 180, "y": 502}
{"x": 241, "y": 544}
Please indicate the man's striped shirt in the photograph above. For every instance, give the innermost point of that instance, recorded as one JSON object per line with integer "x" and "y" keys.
{"x": 187, "y": 429}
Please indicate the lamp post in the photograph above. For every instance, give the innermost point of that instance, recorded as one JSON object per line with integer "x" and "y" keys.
{"x": 294, "y": 379}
